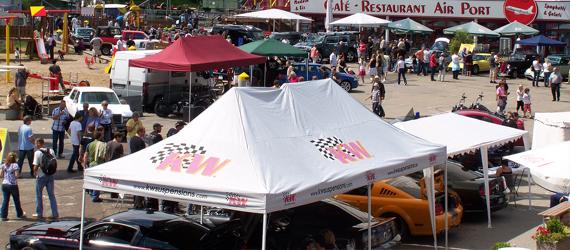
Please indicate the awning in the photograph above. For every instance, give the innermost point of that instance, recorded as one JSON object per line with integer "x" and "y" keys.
{"x": 273, "y": 14}
{"x": 473, "y": 29}
{"x": 408, "y": 26}
{"x": 540, "y": 40}
{"x": 192, "y": 54}
{"x": 272, "y": 47}
{"x": 516, "y": 28}
{"x": 360, "y": 20}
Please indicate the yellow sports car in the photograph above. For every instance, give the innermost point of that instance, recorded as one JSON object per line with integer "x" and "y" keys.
{"x": 480, "y": 63}
{"x": 402, "y": 198}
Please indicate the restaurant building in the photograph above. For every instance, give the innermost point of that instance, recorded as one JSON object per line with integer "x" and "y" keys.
{"x": 551, "y": 17}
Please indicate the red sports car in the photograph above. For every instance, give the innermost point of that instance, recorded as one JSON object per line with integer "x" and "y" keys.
{"x": 493, "y": 118}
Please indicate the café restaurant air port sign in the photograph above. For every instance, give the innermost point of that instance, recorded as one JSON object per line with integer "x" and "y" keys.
{"x": 522, "y": 11}
{"x": 481, "y": 9}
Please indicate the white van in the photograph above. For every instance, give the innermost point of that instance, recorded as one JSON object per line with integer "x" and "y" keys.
{"x": 141, "y": 87}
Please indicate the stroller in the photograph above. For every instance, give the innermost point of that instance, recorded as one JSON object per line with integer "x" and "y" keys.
{"x": 32, "y": 108}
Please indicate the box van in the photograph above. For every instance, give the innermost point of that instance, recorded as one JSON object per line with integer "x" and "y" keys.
{"x": 141, "y": 87}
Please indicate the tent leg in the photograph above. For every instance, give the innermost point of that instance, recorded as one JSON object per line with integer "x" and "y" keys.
{"x": 265, "y": 75}
{"x": 297, "y": 25}
{"x": 264, "y": 233}
{"x": 446, "y": 206}
{"x": 82, "y": 219}
{"x": 529, "y": 180}
{"x": 307, "y": 67}
{"x": 250, "y": 76}
{"x": 369, "y": 216}
{"x": 485, "y": 161}
{"x": 201, "y": 214}
{"x": 430, "y": 190}
{"x": 189, "y": 96}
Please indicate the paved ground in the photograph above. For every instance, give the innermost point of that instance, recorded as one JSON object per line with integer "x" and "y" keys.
{"x": 513, "y": 224}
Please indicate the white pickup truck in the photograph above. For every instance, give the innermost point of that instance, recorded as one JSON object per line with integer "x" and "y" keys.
{"x": 94, "y": 96}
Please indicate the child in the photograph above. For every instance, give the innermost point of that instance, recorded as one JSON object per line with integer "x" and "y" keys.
{"x": 362, "y": 70}
{"x": 526, "y": 101}
{"x": 520, "y": 93}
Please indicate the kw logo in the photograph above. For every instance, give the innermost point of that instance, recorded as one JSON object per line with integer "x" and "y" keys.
{"x": 288, "y": 198}
{"x": 349, "y": 152}
{"x": 236, "y": 200}
{"x": 193, "y": 163}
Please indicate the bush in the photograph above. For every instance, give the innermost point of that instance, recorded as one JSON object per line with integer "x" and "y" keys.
{"x": 459, "y": 38}
{"x": 500, "y": 245}
{"x": 552, "y": 231}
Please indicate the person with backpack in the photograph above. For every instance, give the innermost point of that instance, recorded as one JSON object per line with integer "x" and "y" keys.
{"x": 95, "y": 155}
{"x": 45, "y": 166}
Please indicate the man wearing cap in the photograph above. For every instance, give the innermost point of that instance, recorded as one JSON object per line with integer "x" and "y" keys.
{"x": 133, "y": 125}
{"x": 179, "y": 126}
{"x": 155, "y": 135}
{"x": 106, "y": 120}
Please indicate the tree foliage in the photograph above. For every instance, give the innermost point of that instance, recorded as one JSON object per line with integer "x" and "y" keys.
{"x": 459, "y": 38}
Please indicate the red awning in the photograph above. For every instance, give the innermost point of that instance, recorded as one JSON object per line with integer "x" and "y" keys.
{"x": 192, "y": 54}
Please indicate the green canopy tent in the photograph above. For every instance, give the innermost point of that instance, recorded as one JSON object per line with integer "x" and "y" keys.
{"x": 272, "y": 47}
{"x": 473, "y": 29}
{"x": 406, "y": 26}
{"x": 515, "y": 28}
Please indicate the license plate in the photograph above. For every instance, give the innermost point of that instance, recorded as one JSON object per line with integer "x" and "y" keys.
{"x": 221, "y": 77}
{"x": 501, "y": 200}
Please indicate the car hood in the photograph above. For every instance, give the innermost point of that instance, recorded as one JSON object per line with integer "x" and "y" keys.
{"x": 56, "y": 229}
{"x": 304, "y": 45}
{"x": 123, "y": 109}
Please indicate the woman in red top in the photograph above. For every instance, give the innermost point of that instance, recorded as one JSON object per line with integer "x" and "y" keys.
{"x": 433, "y": 65}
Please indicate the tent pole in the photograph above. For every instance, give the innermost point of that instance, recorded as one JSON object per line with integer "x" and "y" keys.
{"x": 250, "y": 76}
{"x": 307, "y": 67}
{"x": 273, "y": 25}
{"x": 264, "y": 232}
{"x": 189, "y": 96}
{"x": 82, "y": 219}
{"x": 529, "y": 180}
{"x": 297, "y": 26}
{"x": 430, "y": 193}
{"x": 201, "y": 214}
{"x": 265, "y": 75}
{"x": 446, "y": 206}
{"x": 485, "y": 162}
{"x": 369, "y": 216}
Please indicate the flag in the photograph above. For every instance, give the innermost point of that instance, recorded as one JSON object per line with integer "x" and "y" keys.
{"x": 38, "y": 10}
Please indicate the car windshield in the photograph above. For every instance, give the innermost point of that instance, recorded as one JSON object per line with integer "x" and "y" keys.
{"x": 314, "y": 38}
{"x": 554, "y": 60}
{"x": 456, "y": 172}
{"x": 84, "y": 32}
{"x": 98, "y": 97}
{"x": 257, "y": 35}
{"x": 406, "y": 184}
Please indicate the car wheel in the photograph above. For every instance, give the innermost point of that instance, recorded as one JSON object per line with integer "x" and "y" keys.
{"x": 28, "y": 248}
{"x": 475, "y": 69}
{"x": 106, "y": 50}
{"x": 401, "y": 225}
{"x": 350, "y": 56}
{"x": 515, "y": 74}
{"x": 346, "y": 86}
{"x": 161, "y": 108}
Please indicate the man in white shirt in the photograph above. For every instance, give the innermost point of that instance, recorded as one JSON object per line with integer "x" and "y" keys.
{"x": 333, "y": 60}
{"x": 547, "y": 69}
{"x": 75, "y": 135}
{"x": 536, "y": 69}
{"x": 427, "y": 54}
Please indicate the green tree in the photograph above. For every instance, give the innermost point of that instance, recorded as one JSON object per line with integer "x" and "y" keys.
{"x": 458, "y": 38}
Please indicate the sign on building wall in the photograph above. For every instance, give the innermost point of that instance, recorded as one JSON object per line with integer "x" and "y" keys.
{"x": 550, "y": 10}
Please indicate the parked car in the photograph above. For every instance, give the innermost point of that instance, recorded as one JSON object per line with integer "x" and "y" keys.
{"x": 291, "y": 37}
{"x": 291, "y": 228}
{"x": 83, "y": 34}
{"x": 94, "y": 96}
{"x": 470, "y": 186}
{"x": 480, "y": 63}
{"x": 560, "y": 61}
{"x": 347, "y": 81}
{"x": 133, "y": 229}
{"x": 402, "y": 197}
{"x": 246, "y": 32}
{"x": 518, "y": 63}
{"x": 328, "y": 42}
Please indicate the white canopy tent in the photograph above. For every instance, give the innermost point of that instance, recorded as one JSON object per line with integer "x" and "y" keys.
{"x": 262, "y": 150}
{"x": 274, "y": 14}
{"x": 464, "y": 135}
{"x": 548, "y": 165}
{"x": 550, "y": 128}
{"x": 360, "y": 20}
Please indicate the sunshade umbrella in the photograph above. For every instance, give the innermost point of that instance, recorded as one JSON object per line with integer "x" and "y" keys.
{"x": 471, "y": 28}
{"x": 540, "y": 41}
{"x": 360, "y": 20}
{"x": 408, "y": 26}
{"x": 273, "y": 14}
{"x": 516, "y": 28}
{"x": 272, "y": 47}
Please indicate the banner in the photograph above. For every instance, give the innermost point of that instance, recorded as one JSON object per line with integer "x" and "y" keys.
{"x": 3, "y": 139}
{"x": 547, "y": 10}
{"x": 37, "y": 11}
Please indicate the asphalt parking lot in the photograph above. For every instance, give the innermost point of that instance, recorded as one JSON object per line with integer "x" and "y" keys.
{"x": 513, "y": 224}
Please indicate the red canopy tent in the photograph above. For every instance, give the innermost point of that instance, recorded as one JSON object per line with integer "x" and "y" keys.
{"x": 192, "y": 54}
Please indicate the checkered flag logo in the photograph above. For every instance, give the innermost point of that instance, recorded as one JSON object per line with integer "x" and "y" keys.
{"x": 323, "y": 145}
{"x": 180, "y": 149}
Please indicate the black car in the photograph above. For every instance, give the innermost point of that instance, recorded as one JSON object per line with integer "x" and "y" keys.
{"x": 329, "y": 42}
{"x": 239, "y": 33}
{"x": 291, "y": 37}
{"x": 133, "y": 229}
{"x": 83, "y": 34}
{"x": 470, "y": 185}
{"x": 293, "y": 228}
{"x": 518, "y": 63}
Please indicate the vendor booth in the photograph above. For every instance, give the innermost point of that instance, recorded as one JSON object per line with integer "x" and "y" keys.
{"x": 463, "y": 135}
{"x": 550, "y": 128}
{"x": 262, "y": 150}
